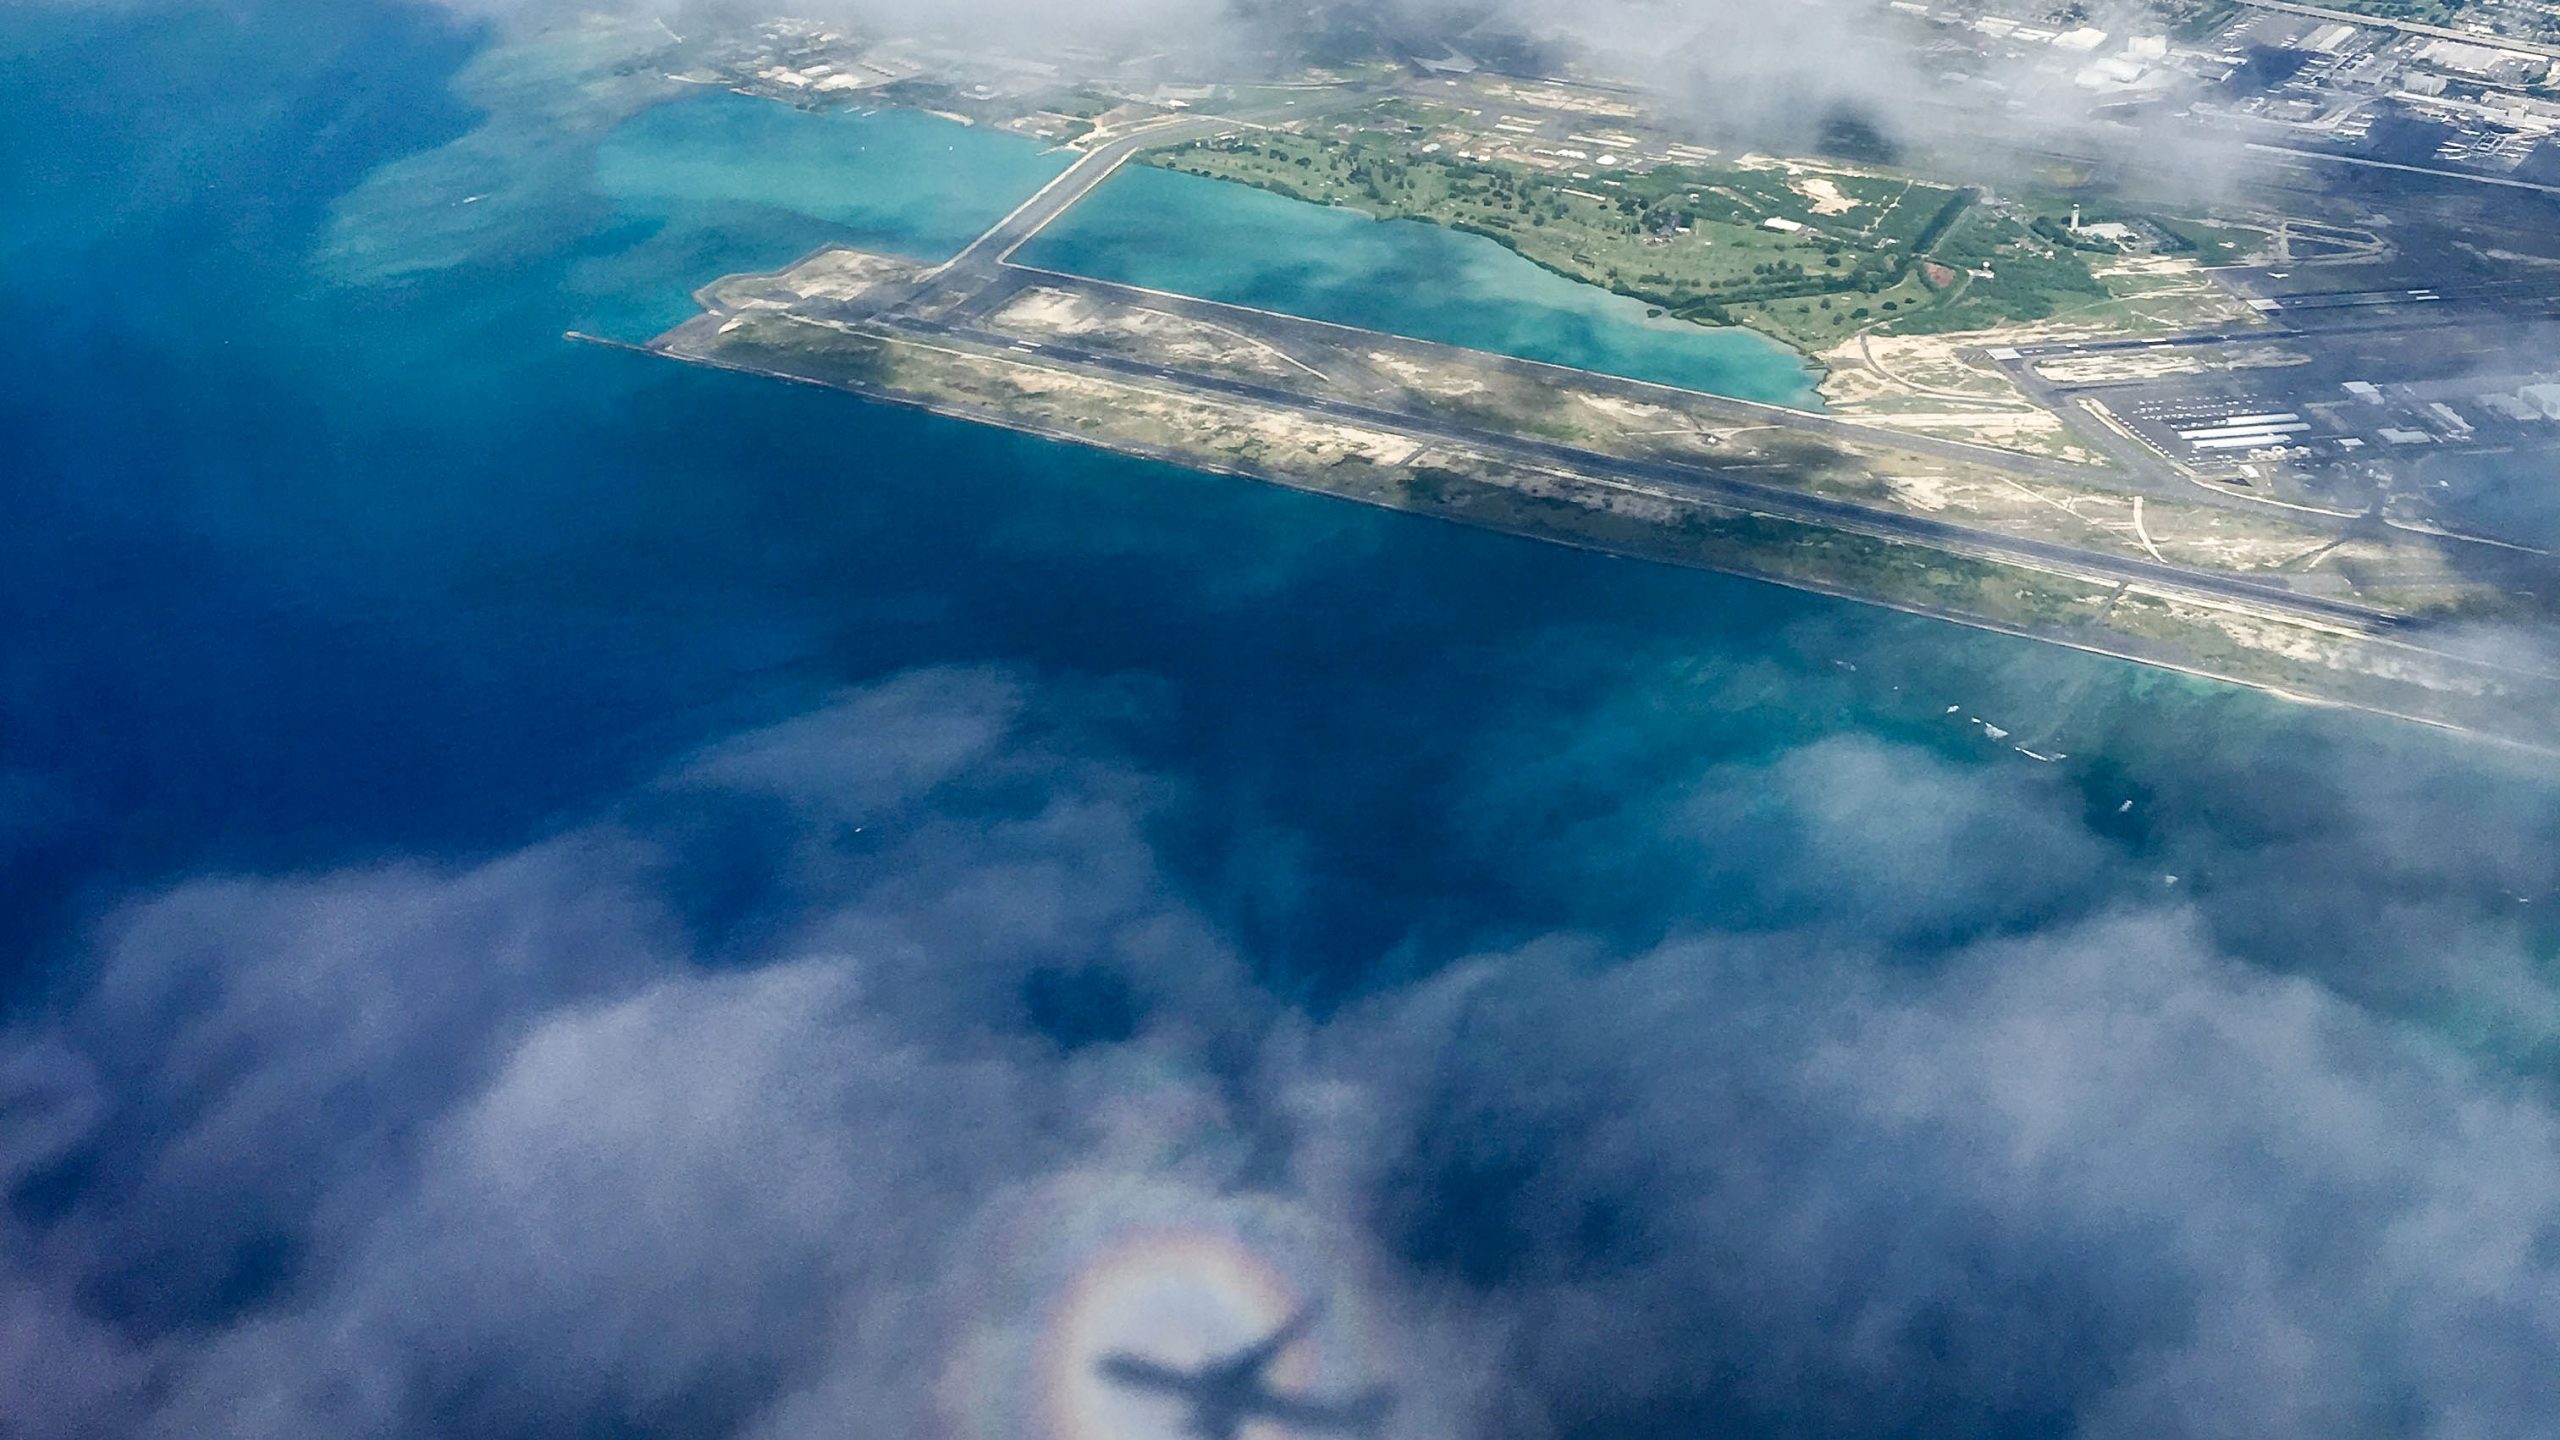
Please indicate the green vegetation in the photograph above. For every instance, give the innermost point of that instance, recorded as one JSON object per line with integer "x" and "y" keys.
{"x": 2206, "y": 241}
{"x": 2006, "y": 273}
{"x": 2214, "y": 243}
{"x": 1081, "y": 104}
{"x": 1789, "y": 552}
{"x": 1483, "y": 486}
{"x": 1849, "y": 253}
{"x": 769, "y": 340}
{"x": 1690, "y": 240}
{"x": 2195, "y": 19}
{"x": 1419, "y": 114}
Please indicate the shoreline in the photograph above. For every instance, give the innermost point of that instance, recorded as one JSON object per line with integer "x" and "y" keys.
{"x": 1817, "y": 372}
{"x": 1451, "y": 514}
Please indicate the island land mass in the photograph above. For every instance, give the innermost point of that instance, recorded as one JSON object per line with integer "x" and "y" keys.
{"x": 2001, "y": 445}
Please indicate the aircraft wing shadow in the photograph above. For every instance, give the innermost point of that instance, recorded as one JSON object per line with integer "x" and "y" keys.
{"x": 1226, "y": 1394}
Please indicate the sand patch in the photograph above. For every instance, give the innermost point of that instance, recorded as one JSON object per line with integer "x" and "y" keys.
{"x": 1425, "y": 378}
{"x": 1826, "y": 196}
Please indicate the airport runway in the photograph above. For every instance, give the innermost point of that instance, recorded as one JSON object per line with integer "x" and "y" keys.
{"x": 1320, "y": 339}
{"x": 952, "y": 301}
{"x": 1719, "y": 486}
{"x": 977, "y": 264}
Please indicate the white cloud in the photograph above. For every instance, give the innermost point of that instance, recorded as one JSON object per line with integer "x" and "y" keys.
{"x": 517, "y": 1148}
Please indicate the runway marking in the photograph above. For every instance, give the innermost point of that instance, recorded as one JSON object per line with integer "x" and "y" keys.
{"x": 2476, "y": 179}
{"x": 2143, "y": 534}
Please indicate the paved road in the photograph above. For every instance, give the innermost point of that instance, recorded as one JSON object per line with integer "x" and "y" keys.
{"x": 2410, "y": 27}
{"x": 2454, "y": 319}
{"x": 1723, "y": 486}
{"x": 2468, "y": 177}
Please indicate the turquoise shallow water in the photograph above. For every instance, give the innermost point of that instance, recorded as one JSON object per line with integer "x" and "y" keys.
{"x": 682, "y": 187}
{"x": 1222, "y": 241}
{"x": 420, "y": 572}
{"x": 896, "y": 180}
{"x": 722, "y": 181}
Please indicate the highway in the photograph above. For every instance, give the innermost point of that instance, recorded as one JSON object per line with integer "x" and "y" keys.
{"x": 2406, "y": 27}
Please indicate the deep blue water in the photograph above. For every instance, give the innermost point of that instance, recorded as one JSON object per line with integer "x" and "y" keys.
{"x": 325, "y": 543}
{"x": 325, "y": 548}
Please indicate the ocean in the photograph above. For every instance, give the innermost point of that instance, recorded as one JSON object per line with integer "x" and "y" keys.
{"x": 328, "y": 543}
{"x": 328, "y": 556}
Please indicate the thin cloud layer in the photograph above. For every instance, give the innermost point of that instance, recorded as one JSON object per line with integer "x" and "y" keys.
{"x": 1780, "y": 76}
{"x": 2098, "y": 1182}
{"x": 591, "y": 1138}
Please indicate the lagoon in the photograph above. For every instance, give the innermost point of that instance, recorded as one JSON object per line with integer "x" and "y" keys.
{"x": 921, "y": 186}
{"x": 1222, "y": 241}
